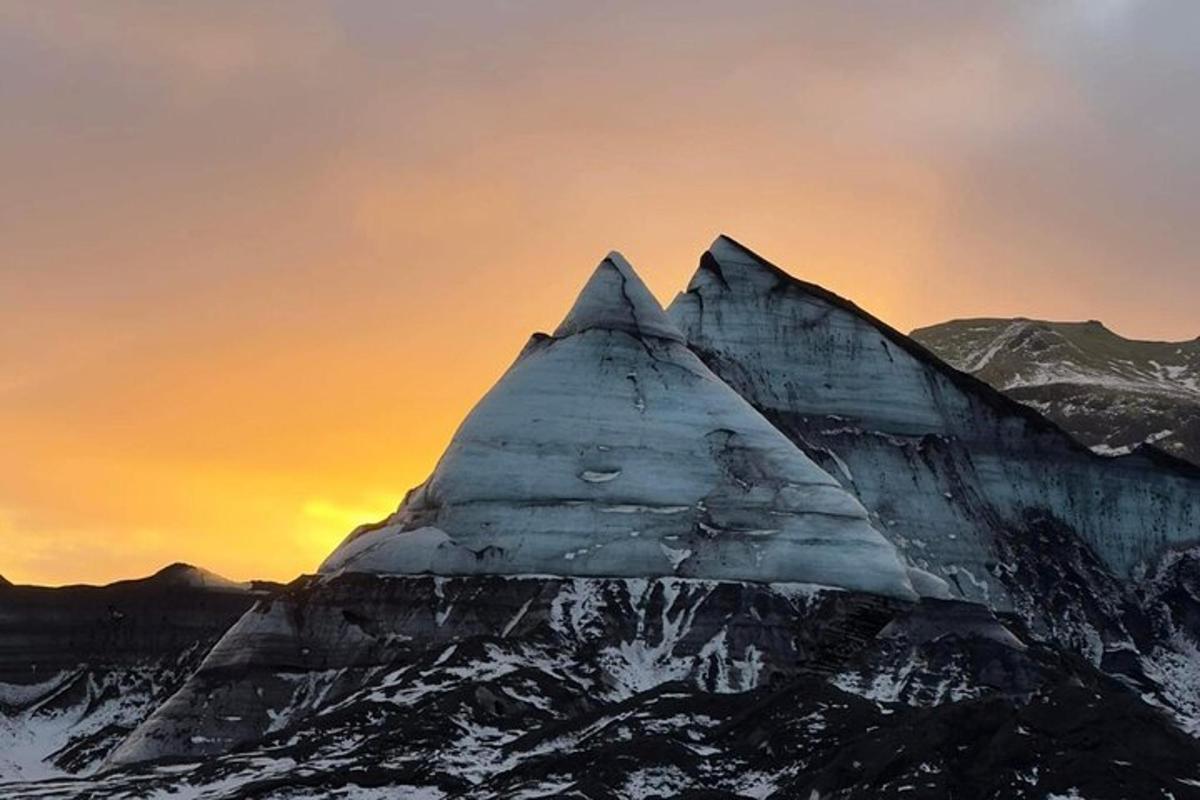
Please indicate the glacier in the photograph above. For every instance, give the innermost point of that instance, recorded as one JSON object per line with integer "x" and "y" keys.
{"x": 609, "y": 449}
{"x": 953, "y": 472}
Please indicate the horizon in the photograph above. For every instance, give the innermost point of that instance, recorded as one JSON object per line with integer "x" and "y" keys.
{"x": 260, "y": 261}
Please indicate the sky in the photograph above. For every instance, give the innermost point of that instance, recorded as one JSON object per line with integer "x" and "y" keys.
{"x": 257, "y": 260}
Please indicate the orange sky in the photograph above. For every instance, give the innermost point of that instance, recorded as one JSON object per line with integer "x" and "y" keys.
{"x": 258, "y": 260}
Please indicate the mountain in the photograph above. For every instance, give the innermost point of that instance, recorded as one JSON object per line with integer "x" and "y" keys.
{"x": 970, "y": 485}
{"x": 610, "y": 450}
{"x": 82, "y": 666}
{"x": 1111, "y": 393}
{"x": 884, "y": 415}
{"x": 761, "y": 545}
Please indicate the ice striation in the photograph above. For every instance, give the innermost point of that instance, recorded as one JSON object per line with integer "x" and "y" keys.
{"x": 953, "y": 472}
{"x": 610, "y": 450}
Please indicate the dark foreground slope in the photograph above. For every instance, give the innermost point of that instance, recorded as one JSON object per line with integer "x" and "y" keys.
{"x": 502, "y": 687}
{"x": 81, "y": 666}
{"x": 1111, "y": 393}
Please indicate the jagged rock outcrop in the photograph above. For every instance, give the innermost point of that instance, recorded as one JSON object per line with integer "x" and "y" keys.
{"x": 1111, "y": 393}
{"x": 610, "y": 450}
{"x": 302, "y": 652}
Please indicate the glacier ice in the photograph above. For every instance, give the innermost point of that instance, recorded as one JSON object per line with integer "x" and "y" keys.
{"x": 609, "y": 449}
{"x": 945, "y": 464}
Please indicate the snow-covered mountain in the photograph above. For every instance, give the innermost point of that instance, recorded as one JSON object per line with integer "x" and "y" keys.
{"x": 1111, "y": 393}
{"x": 761, "y": 546}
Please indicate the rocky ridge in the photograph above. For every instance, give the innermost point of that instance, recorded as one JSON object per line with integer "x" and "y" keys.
{"x": 1113, "y": 394}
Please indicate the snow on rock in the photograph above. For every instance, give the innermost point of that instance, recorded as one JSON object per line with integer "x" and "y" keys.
{"x": 81, "y": 666}
{"x": 66, "y": 723}
{"x": 639, "y": 687}
{"x": 611, "y": 426}
{"x": 304, "y": 652}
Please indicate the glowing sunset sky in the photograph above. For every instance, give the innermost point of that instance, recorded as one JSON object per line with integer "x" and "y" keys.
{"x": 257, "y": 260}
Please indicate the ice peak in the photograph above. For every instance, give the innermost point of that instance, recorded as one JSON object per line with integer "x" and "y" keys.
{"x": 615, "y": 298}
{"x": 726, "y": 249}
{"x": 730, "y": 265}
{"x": 726, "y": 244}
{"x": 618, "y": 453}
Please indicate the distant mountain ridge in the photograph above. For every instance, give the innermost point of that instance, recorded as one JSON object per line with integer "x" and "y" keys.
{"x": 1111, "y": 393}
